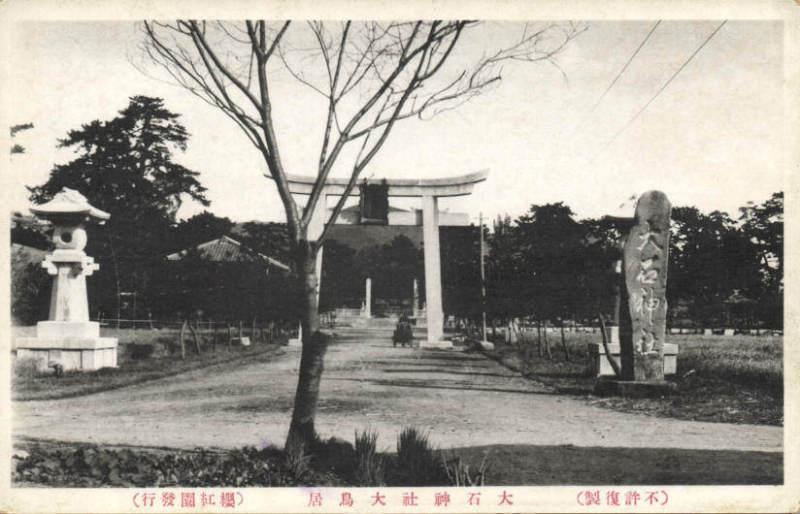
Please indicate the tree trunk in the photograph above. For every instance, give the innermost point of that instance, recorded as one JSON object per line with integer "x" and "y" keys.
{"x": 116, "y": 279}
{"x": 302, "y": 429}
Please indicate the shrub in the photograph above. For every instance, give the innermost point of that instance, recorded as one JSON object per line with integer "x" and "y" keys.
{"x": 26, "y": 368}
{"x": 416, "y": 463}
{"x": 369, "y": 469}
{"x": 141, "y": 350}
{"x": 169, "y": 346}
{"x": 335, "y": 456}
{"x": 459, "y": 473}
{"x": 29, "y": 290}
{"x": 91, "y": 466}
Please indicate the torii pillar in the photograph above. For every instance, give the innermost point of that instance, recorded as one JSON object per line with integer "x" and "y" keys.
{"x": 429, "y": 191}
{"x": 433, "y": 272}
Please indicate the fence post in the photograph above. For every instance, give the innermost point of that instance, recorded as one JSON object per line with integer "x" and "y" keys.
{"x": 194, "y": 337}
{"x": 182, "y": 335}
{"x": 214, "y": 344}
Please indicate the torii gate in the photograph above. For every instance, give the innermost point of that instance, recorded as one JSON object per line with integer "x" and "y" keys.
{"x": 429, "y": 190}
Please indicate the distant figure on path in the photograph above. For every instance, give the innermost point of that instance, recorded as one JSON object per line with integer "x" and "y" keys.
{"x": 512, "y": 332}
{"x": 403, "y": 333}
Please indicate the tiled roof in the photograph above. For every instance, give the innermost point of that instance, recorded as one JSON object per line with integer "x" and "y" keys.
{"x": 227, "y": 249}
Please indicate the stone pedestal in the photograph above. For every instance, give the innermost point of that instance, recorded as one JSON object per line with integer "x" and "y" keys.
{"x": 297, "y": 342}
{"x": 635, "y": 388}
{"x": 612, "y": 332}
{"x": 600, "y": 367}
{"x": 85, "y": 354}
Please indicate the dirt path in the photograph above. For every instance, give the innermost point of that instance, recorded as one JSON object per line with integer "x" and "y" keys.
{"x": 462, "y": 399}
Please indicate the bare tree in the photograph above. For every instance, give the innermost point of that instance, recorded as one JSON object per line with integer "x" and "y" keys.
{"x": 370, "y": 74}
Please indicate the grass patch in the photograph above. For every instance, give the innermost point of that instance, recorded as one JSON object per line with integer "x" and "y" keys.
{"x": 732, "y": 379}
{"x": 142, "y": 355}
{"x": 574, "y": 465}
{"x": 749, "y": 361}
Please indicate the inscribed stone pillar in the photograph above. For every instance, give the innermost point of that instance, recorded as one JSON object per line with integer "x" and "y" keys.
{"x": 433, "y": 270}
{"x": 643, "y": 309}
{"x": 368, "y": 298}
{"x": 415, "y": 299}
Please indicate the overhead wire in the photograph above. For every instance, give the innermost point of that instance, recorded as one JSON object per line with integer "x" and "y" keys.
{"x": 627, "y": 64}
{"x": 613, "y": 82}
{"x": 663, "y": 87}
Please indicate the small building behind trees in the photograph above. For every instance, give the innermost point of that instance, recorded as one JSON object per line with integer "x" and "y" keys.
{"x": 223, "y": 279}
{"x": 228, "y": 249}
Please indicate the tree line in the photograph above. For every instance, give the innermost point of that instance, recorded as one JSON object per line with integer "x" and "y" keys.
{"x": 723, "y": 271}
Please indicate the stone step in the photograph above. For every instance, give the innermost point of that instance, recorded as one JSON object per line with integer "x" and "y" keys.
{"x": 372, "y": 332}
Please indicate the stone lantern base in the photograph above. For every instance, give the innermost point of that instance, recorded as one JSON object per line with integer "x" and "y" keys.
{"x": 73, "y": 345}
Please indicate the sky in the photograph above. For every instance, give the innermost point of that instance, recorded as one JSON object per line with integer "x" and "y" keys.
{"x": 712, "y": 138}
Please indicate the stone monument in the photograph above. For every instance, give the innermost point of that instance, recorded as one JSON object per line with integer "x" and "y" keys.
{"x": 68, "y": 339}
{"x": 643, "y": 301}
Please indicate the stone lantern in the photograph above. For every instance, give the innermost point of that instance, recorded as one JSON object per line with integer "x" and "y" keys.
{"x": 68, "y": 338}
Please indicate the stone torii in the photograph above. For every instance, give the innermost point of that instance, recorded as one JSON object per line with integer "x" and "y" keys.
{"x": 429, "y": 190}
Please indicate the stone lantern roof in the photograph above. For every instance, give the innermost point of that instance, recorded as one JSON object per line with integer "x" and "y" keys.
{"x": 69, "y": 203}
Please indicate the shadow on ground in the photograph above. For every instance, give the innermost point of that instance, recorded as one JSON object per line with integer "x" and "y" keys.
{"x": 574, "y": 465}
{"x": 436, "y": 384}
